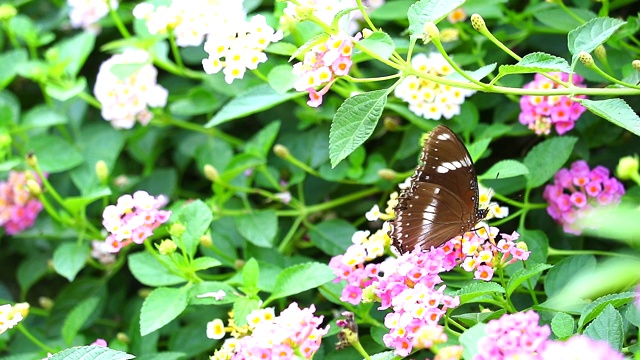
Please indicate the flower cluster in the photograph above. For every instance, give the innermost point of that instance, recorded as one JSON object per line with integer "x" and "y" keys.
{"x": 513, "y": 336}
{"x": 10, "y": 315}
{"x": 100, "y": 251}
{"x": 125, "y": 98}
{"x": 322, "y": 64}
{"x": 86, "y": 13}
{"x": 579, "y": 189}
{"x": 18, "y": 208}
{"x": 238, "y": 46}
{"x": 580, "y": 347}
{"x": 540, "y": 113}
{"x": 294, "y": 332}
{"x": 409, "y": 286}
{"x": 191, "y": 20}
{"x": 133, "y": 219}
{"x": 427, "y": 98}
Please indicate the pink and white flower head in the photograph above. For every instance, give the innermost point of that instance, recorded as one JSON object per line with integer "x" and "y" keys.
{"x": 133, "y": 219}
{"x": 18, "y": 208}
{"x": 513, "y": 336}
{"x": 238, "y": 46}
{"x": 294, "y": 331}
{"x": 126, "y": 100}
{"x": 580, "y": 347}
{"x": 191, "y": 21}
{"x": 427, "y": 98}
{"x": 579, "y": 189}
{"x": 323, "y": 64}
{"x": 541, "y": 113}
{"x": 85, "y": 14}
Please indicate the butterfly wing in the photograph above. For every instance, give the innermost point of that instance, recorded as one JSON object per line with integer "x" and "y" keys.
{"x": 442, "y": 200}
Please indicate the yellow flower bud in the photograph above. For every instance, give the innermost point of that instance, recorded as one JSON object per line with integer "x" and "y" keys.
{"x": 32, "y": 160}
{"x": 387, "y": 174}
{"x": 281, "y": 151}
{"x": 177, "y": 230}
{"x": 206, "y": 241}
{"x": 167, "y": 247}
{"x": 478, "y": 22}
{"x": 601, "y": 52}
{"x": 211, "y": 173}
{"x": 586, "y": 59}
{"x": 102, "y": 171}
{"x": 34, "y": 187}
{"x": 627, "y": 167}
{"x": 636, "y": 64}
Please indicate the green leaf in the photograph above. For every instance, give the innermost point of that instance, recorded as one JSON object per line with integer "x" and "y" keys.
{"x": 263, "y": 140}
{"x": 598, "y": 305}
{"x": 146, "y": 269}
{"x": 281, "y": 78}
{"x": 258, "y": 227}
{"x": 204, "y": 263}
{"x": 471, "y": 319}
{"x": 429, "y": 10}
{"x": 556, "y": 18}
{"x": 125, "y": 71}
{"x": 196, "y": 217}
{"x": 239, "y": 164}
{"x": 69, "y": 259}
{"x": 197, "y": 102}
{"x": 31, "y": 270}
{"x": 478, "y": 74}
{"x": 379, "y": 43}
{"x": 616, "y": 111}
{"x": 212, "y": 287}
{"x": 633, "y": 314}
{"x": 354, "y": 122}
{"x": 251, "y": 101}
{"x": 523, "y": 274}
{"x": 546, "y": 158}
{"x": 562, "y": 325}
{"x": 469, "y": 340}
{"x": 564, "y": 271}
{"x": 90, "y": 352}
{"x": 65, "y": 90}
{"x": 302, "y": 277}
{"x": 54, "y": 154}
{"x": 537, "y": 62}
{"x": 587, "y": 37}
{"x": 42, "y": 116}
{"x": 477, "y": 289}
{"x": 478, "y": 147}
{"x": 250, "y": 275}
{"x": 78, "y": 317}
{"x": 161, "y": 307}
{"x": 244, "y": 307}
{"x": 9, "y": 62}
{"x": 607, "y": 326}
{"x": 73, "y": 52}
{"x": 332, "y": 236}
{"x": 505, "y": 169}
{"x": 392, "y": 10}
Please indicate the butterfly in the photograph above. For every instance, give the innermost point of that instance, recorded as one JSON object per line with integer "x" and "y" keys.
{"x": 442, "y": 200}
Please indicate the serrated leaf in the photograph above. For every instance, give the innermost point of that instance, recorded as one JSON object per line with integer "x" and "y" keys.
{"x": 90, "y": 352}
{"x": 562, "y": 325}
{"x": 258, "y": 227}
{"x": 244, "y": 307}
{"x": 332, "y": 236}
{"x": 523, "y": 274}
{"x": 161, "y": 307}
{"x": 616, "y": 111}
{"x": 537, "y": 62}
{"x": 469, "y": 340}
{"x": 77, "y": 318}
{"x": 546, "y": 158}
{"x": 587, "y": 37}
{"x": 599, "y": 304}
{"x": 505, "y": 169}
{"x": 471, "y": 319}
{"x": 146, "y": 269}
{"x": 633, "y": 314}
{"x": 251, "y": 274}
{"x": 379, "y": 43}
{"x": 429, "y": 10}
{"x": 302, "y": 277}
{"x": 607, "y": 326}
{"x": 196, "y": 216}
{"x": 354, "y": 122}
{"x": 251, "y": 101}
{"x": 69, "y": 258}
{"x": 477, "y": 289}
{"x": 564, "y": 271}
{"x": 477, "y": 74}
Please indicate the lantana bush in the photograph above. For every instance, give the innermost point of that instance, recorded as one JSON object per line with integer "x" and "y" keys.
{"x": 210, "y": 179}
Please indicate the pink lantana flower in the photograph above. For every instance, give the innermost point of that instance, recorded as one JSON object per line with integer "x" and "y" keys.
{"x": 18, "y": 208}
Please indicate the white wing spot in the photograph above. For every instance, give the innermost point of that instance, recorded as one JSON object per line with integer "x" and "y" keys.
{"x": 442, "y": 170}
{"x": 444, "y": 137}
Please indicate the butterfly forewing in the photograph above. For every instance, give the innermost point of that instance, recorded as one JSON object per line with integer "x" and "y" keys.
{"x": 442, "y": 200}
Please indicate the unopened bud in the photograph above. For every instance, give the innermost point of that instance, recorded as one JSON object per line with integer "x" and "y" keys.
{"x": 627, "y": 167}
{"x": 431, "y": 31}
{"x": 123, "y": 337}
{"x": 478, "y": 22}
{"x": 211, "y": 173}
{"x": 239, "y": 264}
{"x": 5, "y": 140}
{"x": 7, "y": 11}
{"x": 636, "y": 64}
{"x": 387, "y": 174}
{"x": 34, "y": 187}
{"x": 366, "y": 33}
{"x": 167, "y": 247}
{"x": 45, "y": 302}
{"x": 368, "y": 295}
{"x": 206, "y": 241}
{"x": 522, "y": 246}
{"x": 449, "y": 35}
{"x": 391, "y": 123}
{"x": 144, "y": 292}
{"x": 177, "y": 230}
{"x": 281, "y": 151}
{"x": 102, "y": 171}
{"x": 601, "y": 52}
{"x": 585, "y": 58}
{"x": 121, "y": 181}
{"x": 32, "y": 160}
